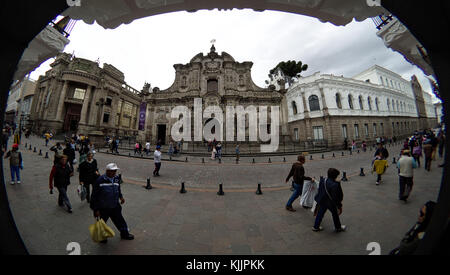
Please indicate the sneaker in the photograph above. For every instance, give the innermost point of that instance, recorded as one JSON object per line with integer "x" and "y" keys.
{"x": 342, "y": 229}
{"x": 104, "y": 242}
{"x": 70, "y": 211}
{"x": 317, "y": 229}
{"x": 377, "y": 183}
{"x": 12, "y": 183}
{"x": 18, "y": 181}
{"x": 128, "y": 237}
{"x": 289, "y": 208}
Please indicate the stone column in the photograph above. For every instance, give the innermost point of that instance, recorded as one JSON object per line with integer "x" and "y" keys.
{"x": 87, "y": 97}
{"x": 62, "y": 97}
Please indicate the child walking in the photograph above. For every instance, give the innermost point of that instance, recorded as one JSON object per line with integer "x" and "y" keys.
{"x": 379, "y": 166}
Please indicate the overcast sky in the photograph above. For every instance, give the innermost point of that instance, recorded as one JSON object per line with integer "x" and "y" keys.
{"x": 147, "y": 49}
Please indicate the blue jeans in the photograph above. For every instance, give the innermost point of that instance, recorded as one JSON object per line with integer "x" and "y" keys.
{"x": 63, "y": 199}
{"x": 15, "y": 171}
{"x": 298, "y": 189}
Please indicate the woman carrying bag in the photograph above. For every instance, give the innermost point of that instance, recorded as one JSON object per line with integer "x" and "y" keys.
{"x": 329, "y": 197}
{"x": 88, "y": 174}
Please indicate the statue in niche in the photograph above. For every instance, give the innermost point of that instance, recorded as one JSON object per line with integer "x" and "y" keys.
{"x": 241, "y": 80}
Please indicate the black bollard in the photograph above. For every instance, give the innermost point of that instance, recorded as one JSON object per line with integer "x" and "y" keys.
{"x": 129, "y": 154}
{"x": 334, "y": 155}
{"x": 393, "y": 161}
{"x": 46, "y": 155}
{"x": 362, "y": 173}
{"x": 149, "y": 186}
{"x": 344, "y": 176}
{"x": 258, "y": 191}
{"x": 270, "y": 161}
{"x": 284, "y": 159}
{"x": 26, "y": 145}
{"x": 30, "y": 148}
{"x": 323, "y": 156}
{"x": 253, "y": 160}
{"x": 220, "y": 193}
{"x": 35, "y": 151}
{"x": 40, "y": 152}
{"x": 358, "y": 151}
{"x": 183, "y": 190}
{"x": 310, "y": 157}
{"x": 237, "y": 161}
{"x": 342, "y": 153}
{"x": 203, "y": 160}
{"x": 186, "y": 159}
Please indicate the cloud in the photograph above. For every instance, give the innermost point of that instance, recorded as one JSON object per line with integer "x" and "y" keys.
{"x": 147, "y": 49}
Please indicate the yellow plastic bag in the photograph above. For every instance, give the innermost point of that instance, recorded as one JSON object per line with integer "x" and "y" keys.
{"x": 100, "y": 231}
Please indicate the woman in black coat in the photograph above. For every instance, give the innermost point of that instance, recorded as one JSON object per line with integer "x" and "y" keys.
{"x": 88, "y": 173}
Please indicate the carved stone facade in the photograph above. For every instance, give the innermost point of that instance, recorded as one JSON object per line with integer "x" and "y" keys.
{"x": 77, "y": 95}
{"x": 215, "y": 78}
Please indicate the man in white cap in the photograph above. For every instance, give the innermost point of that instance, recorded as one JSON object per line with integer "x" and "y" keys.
{"x": 106, "y": 194}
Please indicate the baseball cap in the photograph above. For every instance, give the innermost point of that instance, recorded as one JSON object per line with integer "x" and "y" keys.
{"x": 158, "y": 147}
{"x": 15, "y": 146}
{"x": 112, "y": 167}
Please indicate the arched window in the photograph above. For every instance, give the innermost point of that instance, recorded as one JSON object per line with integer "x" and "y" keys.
{"x": 350, "y": 101}
{"x": 314, "y": 104}
{"x": 369, "y": 102}
{"x": 338, "y": 101}
{"x": 294, "y": 107}
{"x": 393, "y": 105}
{"x": 361, "y": 106}
{"x": 376, "y": 104}
{"x": 398, "y": 107}
{"x": 388, "y": 104}
{"x": 381, "y": 78}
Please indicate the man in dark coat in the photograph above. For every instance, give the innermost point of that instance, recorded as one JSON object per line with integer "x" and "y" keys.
{"x": 69, "y": 151}
{"x": 106, "y": 194}
{"x": 60, "y": 178}
{"x": 329, "y": 197}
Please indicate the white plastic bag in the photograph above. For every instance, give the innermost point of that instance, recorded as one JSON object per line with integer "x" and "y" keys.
{"x": 310, "y": 190}
{"x": 82, "y": 193}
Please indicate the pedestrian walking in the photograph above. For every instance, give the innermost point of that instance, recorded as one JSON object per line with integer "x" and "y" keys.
{"x": 417, "y": 152}
{"x": 157, "y": 156}
{"x": 213, "y": 153}
{"x": 441, "y": 144}
{"x": 219, "y": 150}
{"x": 60, "y": 178}
{"x": 171, "y": 148}
{"x": 364, "y": 146}
{"x": 379, "y": 167}
{"x": 47, "y": 138}
{"x": 298, "y": 174}
{"x": 147, "y": 148}
{"x": 412, "y": 238}
{"x": 58, "y": 149}
{"x": 136, "y": 148}
{"x": 238, "y": 152}
{"x": 15, "y": 163}
{"x": 70, "y": 153}
{"x": 406, "y": 164}
{"x": 353, "y": 145}
{"x": 106, "y": 194}
{"x": 384, "y": 152}
{"x": 88, "y": 173}
{"x": 428, "y": 154}
{"x": 329, "y": 197}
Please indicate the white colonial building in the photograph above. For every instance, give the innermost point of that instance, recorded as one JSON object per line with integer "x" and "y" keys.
{"x": 376, "y": 102}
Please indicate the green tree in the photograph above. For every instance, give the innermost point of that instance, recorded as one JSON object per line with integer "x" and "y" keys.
{"x": 290, "y": 69}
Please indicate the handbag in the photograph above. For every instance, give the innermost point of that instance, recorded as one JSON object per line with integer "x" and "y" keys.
{"x": 328, "y": 194}
{"x": 100, "y": 231}
{"x": 82, "y": 192}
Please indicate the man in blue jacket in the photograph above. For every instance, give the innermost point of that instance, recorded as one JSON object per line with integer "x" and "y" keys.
{"x": 105, "y": 198}
{"x": 329, "y": 197}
